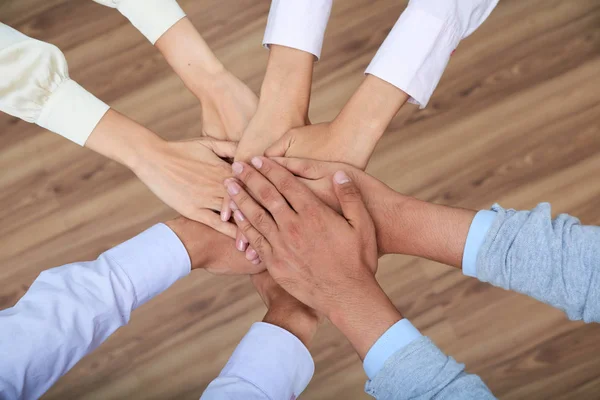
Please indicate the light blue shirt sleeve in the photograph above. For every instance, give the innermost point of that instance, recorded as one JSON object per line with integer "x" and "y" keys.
{"x": 270, "y": 363}
{"x": 69, "y": 311}
{"x": 479, "y": 228}
{"x": 398, "y": 336}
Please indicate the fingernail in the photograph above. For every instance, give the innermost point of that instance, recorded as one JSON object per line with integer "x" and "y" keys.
{"x": 237, "y": 168}
{"x": 225, "y": 215}
{"x": 240, "y": 245}
{"x": 237, "y": 214}
{"x": 233, "y": 206}
{"x": 233, "y": 188}
{"x": 257, "y": 162}
{"x": 340, "y": 178}
{"x": 256, "y": 262}
{"x": 250, "y": 254}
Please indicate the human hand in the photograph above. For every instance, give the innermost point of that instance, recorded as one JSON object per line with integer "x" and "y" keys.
{"x": 305, "y": 245}
{"x": 188, "y": 176}
{"x": 211, "y": 250}
{"x": 326, "y": 141}
{"x": 283, "y": 105}
{"x": 325, "y": 260}
{"x": 286, "y": 311}
{"x": 404, "y": 225}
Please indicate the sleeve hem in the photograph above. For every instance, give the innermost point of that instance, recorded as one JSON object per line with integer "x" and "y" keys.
{"x": 72, "y": 112}
{"x": 153, "y": 18}
{"x": 416, "y": 66}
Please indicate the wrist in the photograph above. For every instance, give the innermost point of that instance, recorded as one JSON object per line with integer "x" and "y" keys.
{"x": 367, "y": 316}
{"x": 194, "y": 237}
{"x": 294, "y": 317}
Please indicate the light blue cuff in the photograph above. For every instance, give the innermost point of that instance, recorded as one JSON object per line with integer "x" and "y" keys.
{"x": 479, "y": 228}
{"x": 400, "y": 335}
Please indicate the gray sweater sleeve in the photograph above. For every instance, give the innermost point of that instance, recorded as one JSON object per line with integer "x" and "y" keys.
{"x": 554, "y": 261}
{"x": 421, "y": 371}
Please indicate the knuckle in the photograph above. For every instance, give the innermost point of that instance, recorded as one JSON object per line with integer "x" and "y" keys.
{"x": 260, "y": 219}
{"x": 267, "y": 194}
{"x": 285, "y": 184}
{"x": 350, "y": 192}
{"x": 259, "y": 244}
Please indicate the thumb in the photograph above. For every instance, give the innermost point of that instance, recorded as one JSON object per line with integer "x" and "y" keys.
{"x": 281, "y": 146}
{"x": 222, "y": 148}
{"x": 351, "y": 202}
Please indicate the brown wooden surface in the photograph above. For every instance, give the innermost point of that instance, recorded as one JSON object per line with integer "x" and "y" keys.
{"x": 516, "y": 119}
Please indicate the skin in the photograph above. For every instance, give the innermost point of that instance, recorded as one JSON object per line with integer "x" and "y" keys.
{"x": 283, "y": 105}
{"x": 187, "y": 175}
{"x": 324, "y": 259}
{"x": 227, "y": 103}
{"x": 351, "y": 137}
{"x": 404, "y": 225}
{"x": 210, "y": 250}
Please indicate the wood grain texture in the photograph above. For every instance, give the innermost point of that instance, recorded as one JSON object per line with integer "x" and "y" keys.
{"x": 515, "y": 120}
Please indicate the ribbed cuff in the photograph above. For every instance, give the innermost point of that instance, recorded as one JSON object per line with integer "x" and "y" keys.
{"x": 72, "y": 112}
{"x": 298, "y": 24}
{"x": 415, "y": 54}
{"x": 400, "y": 335}
{"x": 153, "y": 261}
{"x": 151, "y": 17}
{"x": 273, "y": 360}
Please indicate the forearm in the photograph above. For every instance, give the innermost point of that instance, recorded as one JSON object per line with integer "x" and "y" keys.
{"x": 294, "y": 317}
{"x": 409, "y": 226}
{"x": 552, "y": 260}
{"x": 287, "y": 85}
{"x": 190, "y": 57}
{"x": 366, "y": 116}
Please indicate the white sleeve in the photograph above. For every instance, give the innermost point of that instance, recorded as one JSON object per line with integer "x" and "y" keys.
{"x": 70, "y": 310}
{"x": 35, "y": 87}
{"x": 151, "y": 17}
{"x": 416, "y": 52}
{"x": 298, "y": 24}
{"x": 269, "y": 364}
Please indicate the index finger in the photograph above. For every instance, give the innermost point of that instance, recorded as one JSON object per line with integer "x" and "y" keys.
{"x": 297, "y": 194}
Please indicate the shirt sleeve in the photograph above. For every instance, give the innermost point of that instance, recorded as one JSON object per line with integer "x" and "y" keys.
{"x": 151, "y": 17}
{"x": 552, "y": 260}
{"x": 420, "y": 370}
{"x": 477, "y": 232}
{"x": 36, "y": 87}
{"x": 416, "y": 52}
{"x": 298, "y": 24}
{"x": 69, "y": 311}
{"x": 270, "y": 363}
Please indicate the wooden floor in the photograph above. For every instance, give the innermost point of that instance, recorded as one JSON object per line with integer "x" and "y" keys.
{"x": 515, "y": 120}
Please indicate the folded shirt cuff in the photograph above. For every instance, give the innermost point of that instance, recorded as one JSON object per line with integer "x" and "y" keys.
{"x": 298, "y": 24}
{"x": 398, "y": 336}
{"x": 151, "y": 17}
{"x": 72, "y": 112}
{"x": 273, "y": 360}
{"x": 479, "y": 228}
{"x": 153, "y": 261}
{"x": 416, "y": 52}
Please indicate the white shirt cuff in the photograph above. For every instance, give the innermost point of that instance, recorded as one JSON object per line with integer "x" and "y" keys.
{"x": 298, "y": 24}
{"x": 151, "y": 17}
{"x": 153, "y": 261}
{"x": 273, "y": 360}
{"x": 416, "y": 52}
{"x": 398, "y": 336}
{"x": 479, "y": 228}
{"x": 72, "y": 112}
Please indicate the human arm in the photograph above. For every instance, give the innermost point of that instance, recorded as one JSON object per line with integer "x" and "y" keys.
{"x": 407, "y": 66}
{"x": 551, "y": 260}
{"x": 328, "y": 261}
{"x": 36, "y": 87}
{"x": 70, "y": 310}
{"x": 272, "y": 360}
{"x": 227, "y": 103}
